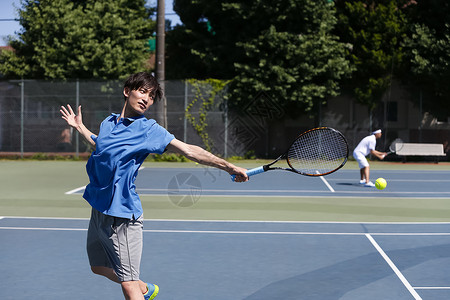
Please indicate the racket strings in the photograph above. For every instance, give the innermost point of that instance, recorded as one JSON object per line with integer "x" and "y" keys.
{"x": 318, "y": 152}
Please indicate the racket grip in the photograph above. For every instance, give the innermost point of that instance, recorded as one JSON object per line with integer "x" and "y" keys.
{"x": 251, "y": 172}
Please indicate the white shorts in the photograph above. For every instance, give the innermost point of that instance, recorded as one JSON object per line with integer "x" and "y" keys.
{"x": 361, "y": 159}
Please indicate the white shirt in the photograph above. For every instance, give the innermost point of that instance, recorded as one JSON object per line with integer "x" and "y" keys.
{"x": 366, "y": 145}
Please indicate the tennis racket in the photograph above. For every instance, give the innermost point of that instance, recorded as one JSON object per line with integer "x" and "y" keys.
{"x": 395, "y": 146}
{"x": 316, "y": 152}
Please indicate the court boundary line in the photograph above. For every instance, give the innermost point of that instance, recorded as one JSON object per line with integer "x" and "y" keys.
{"x": 432, "y": 287}
{"x": 45, "y": 218}
{"x": 394, "y": 268}
{"x": 43, "y": 228}
{"x": 299, "y": 222}
{"x": 249, "y": 193}
{"x": 301, "y": 196}
{"x": 327, "y": 184}
{"x": 240, "y": 232}
{"x": 71, "y": 192}
{"x": 396, "y": 180}
{"x": 345, "y": 169}
{"x": 360, "y": 195}
{"x": 306, "y": 196}
{"x": 284, "y": 191}
{"x": 245, "y": 221}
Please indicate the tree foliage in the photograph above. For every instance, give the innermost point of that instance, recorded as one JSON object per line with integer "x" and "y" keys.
{"x": 428, "y": 54}
{"x": 64, "y": 39}
{"x": 376, "y": 30}
{"x": 205, "y": 45}
{"x": 283, "y": 48}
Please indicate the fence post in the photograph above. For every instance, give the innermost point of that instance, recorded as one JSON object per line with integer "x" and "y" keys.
{"x": 22, "y": 109}
{"x": 77, "y": 103}
{"x": 225, "y": 151}
{"x": 185, "y": 107}
{"x": 421, "y": 115}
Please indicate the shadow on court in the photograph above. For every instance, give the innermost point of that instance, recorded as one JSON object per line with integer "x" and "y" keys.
{"x": 349, "y": 184}
{"x": 364, "y": 277}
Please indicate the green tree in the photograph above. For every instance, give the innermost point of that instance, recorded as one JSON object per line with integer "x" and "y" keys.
{"x": 428, "y": 54}
{"x": 64, "y": 39}
{"x": 376, "y": 30}
{"x": 282, "y": 48}
{"x": 205, "y": 45}
{"x": 301, "y": 66}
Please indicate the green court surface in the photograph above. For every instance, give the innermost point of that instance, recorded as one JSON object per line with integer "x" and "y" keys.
{"x": 37, "y": 189}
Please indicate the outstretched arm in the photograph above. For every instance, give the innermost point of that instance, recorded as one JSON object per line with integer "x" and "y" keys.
{"x": 204, "y": 157}
{"x": 76, "y": 121}
{"x": 380, "y": 155}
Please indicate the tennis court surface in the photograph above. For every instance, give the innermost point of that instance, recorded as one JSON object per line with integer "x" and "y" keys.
{"x": 279, "y": 236}
{"x": 236, "y": 260}
{"x": 344, "y": 183}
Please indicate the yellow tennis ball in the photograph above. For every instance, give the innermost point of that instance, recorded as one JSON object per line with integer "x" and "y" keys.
{"x": 381, "y": 183}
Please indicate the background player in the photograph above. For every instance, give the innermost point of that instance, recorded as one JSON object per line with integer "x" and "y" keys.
{"x": 365, "y": 147}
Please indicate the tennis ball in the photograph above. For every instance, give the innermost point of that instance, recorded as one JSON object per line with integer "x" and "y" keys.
{"x": 381, "y": 183}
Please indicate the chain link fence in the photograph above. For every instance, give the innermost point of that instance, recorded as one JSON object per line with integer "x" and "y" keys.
{"x": 30, "y": 121}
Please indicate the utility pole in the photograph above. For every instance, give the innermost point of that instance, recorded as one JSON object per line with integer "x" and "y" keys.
{"x": 161, "y": 106}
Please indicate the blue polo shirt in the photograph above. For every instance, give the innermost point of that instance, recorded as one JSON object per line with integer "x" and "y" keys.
{"x": 121, "y": 148}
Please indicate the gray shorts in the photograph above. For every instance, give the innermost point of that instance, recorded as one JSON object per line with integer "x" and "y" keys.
{"x": 115, "y": 243}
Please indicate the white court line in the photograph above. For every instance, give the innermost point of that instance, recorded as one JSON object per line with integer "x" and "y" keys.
{"x": 392, "y": 180}
{"x": 208, "y": 190}
{"x": 432, "y": 287}
{"x": 244, "y": 193}
{"x": 75, "y": 190}
{"x": 193, "y": 231}
{"x": 291, "y": 232}
{"x": 358, "y": 195}
{"x": 326, "y": 182}
{"x": 48, "y": 218}
{"x": 233, "y": 232}
{"x": 44, "y": 228}
{"x": 248, "y": 221}
{"x": 394, "y": 268}
{"x": 362, "y": 191}
{"x": 294, "y": 222}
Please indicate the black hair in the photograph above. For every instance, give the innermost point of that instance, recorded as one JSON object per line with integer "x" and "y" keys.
{"x": 144, "y": 80}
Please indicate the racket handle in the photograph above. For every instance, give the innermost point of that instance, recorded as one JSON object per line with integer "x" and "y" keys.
{"x": 251, "y": 172}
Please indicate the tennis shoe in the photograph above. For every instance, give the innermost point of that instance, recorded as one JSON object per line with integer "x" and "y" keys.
{"x": 152, "y": 291}
{"x": 369, "y": 184}
{"x": 362, "y": 182}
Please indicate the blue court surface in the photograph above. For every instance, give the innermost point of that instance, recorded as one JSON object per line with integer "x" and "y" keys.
{"x": 214, "y": 260}
{"x": 343, "y": 183}
{"x": 45, "y": 258}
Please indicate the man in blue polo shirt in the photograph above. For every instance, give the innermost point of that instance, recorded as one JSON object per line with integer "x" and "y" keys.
{"x": 114, "y": 241}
